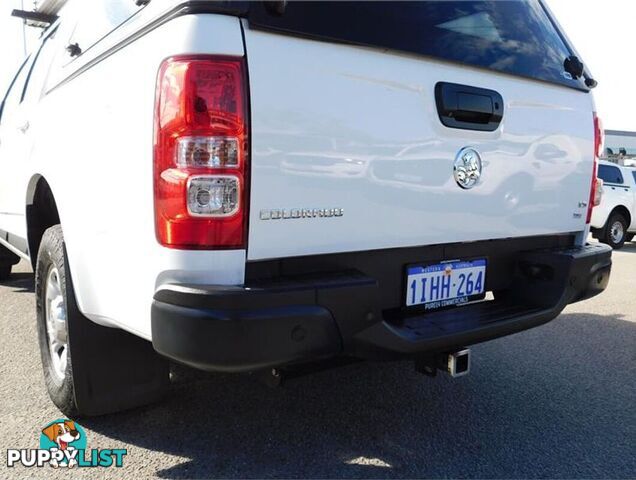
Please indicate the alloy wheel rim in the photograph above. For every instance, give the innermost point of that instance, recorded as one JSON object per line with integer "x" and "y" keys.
{"x": 617, "y": 232}
{"x": 56, "y": 332}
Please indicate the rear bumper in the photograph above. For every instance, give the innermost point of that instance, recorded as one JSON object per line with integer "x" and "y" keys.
{"x": 311, "y": 317}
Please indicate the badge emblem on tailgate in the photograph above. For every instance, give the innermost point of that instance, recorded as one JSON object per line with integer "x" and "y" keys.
{"x": 467, "y": 168}
{"x": 291, "y": 213}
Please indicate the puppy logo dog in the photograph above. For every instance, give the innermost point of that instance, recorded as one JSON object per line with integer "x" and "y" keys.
{"x": 62, "y": 434}
{"x": 63, "y": 443}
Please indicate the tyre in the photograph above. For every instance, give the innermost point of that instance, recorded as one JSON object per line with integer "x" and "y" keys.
{"x": 88, "y": 369}
{"x": 629, "y": 237}
{"x": 615, "y": 231}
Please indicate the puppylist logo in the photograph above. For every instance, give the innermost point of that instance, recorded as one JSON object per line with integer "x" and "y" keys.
{"x": 63, "y": 444}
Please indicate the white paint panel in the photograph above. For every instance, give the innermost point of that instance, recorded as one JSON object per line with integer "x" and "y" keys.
{"x": 94, "y": 146}
{"x": 337, "y": 126}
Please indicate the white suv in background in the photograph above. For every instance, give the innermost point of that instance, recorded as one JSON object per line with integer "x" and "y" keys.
{"x": 614, "y": 220}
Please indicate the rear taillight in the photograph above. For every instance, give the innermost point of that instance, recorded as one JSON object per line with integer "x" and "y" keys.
{"x": 596, "y": 189}
{"x": 200, "y": 153}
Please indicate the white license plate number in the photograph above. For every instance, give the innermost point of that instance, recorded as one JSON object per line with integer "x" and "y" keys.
{"x": 445, "y": 284}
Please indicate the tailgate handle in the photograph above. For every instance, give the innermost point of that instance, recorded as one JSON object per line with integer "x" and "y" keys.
{"x": 468, "y": 108}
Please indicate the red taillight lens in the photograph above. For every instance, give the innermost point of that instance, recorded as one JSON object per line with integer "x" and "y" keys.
{"x": 599, "y": 137}
{"x": 200, "y": 153}
{"x": 596, "y": 188}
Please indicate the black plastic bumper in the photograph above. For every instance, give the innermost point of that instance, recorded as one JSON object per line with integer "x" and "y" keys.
{"x": 308, "y": 318}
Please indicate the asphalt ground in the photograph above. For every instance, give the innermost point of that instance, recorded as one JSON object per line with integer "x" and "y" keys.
{"x": 558, "y": 401}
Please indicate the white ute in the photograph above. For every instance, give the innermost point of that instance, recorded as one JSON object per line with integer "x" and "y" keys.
{"x": 260, "y": 187}
{"x": 614, "y": 219}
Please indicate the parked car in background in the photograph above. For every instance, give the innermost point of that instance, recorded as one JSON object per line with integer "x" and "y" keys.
{"x": 614, "y": 220}
{"x": 262, "y": 186}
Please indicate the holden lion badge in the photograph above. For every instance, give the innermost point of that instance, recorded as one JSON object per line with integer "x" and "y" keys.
{"x": 467, "y": 168}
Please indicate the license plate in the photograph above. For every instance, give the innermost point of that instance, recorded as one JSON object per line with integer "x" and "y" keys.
{"x": 445, "y": 284}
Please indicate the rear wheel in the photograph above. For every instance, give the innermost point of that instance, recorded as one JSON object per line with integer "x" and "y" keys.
{"x": 615, "y": 232}
{"x": 88, "y": 369}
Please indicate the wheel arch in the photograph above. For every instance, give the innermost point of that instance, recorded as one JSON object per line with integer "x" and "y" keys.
{"x": 624, "y": 211}
{"x": 41, "y": 213}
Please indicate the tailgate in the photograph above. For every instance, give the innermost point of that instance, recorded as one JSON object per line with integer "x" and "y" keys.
{"x": 349, "y": 153}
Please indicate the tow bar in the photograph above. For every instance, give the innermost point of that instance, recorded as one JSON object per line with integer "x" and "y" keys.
{"x": 456, "y": 364}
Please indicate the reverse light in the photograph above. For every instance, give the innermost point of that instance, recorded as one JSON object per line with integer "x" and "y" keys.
{"x": 598, "y": 193}
{"x": 213, "y": 195}
{"x": 200, "y": 153}
{"x": 596, "y": 190}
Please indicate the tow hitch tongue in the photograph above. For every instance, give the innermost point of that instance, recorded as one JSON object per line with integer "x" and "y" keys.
{"x": 456, "y": 363}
